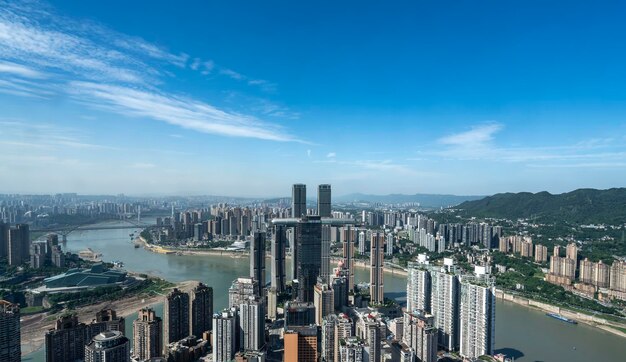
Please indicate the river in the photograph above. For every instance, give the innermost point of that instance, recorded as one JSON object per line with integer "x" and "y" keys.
{"x": 522, "y": 332}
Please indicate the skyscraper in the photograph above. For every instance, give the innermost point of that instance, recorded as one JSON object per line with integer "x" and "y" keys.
{"x": 478, "y": 318}
{"x": 324, "y": 200}
{"x": 147, "y": 335}
{"x": 4, "y": 239}
{"x": 10, "y": 350}
{"x": 278, "y": 258}
{"x": 328, "y": 338}
{"x": 298, "y": 200}
{"x": 309, "y": 258}
{"x": 252, "y": 324}
{"x": 176, "y": 313}
{"x": 18, "y": 244}
{"x": 374, "y": 338}
{"x": 325, "y": 253}
{"x": 301, "y": 344}
{"x": 241, "y": 290}
{"x": 377, "y": 260}
{"x": 445, "y": 308}
{"x": 348, "y": 236}
{"x": 109, "y": 346}
{"x": 323, "y": 300}
{"x": 201, "y": 312}
{"x": 106, "y": 320}
{"x": 420, "y": 335}
{"x": 66, "y": 342}
{"x": 224, "y": 335}
{"x": 418, "y": 287}
{"x": 257, "y": 258}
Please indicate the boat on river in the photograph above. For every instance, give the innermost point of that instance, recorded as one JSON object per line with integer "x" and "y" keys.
{"x": 561, "y": 318}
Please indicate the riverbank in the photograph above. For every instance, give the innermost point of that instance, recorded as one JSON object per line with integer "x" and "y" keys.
{"x": 591, "y": 320}
{"x": 33, "y": 327}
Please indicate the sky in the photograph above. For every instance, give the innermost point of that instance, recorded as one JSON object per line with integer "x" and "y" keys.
{"x": 246, "y": 98}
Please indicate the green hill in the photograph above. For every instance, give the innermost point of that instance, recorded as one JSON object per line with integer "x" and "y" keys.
{"x": 582, "y": 206}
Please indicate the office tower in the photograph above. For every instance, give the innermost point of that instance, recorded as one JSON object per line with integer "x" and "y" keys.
{"x": 278, "y": 259}
{"x": 348, "y": 234}
{"x": 66, "y": 342}
{"x": 374, "y": 339}
{"x": 10, "y": 350}
{"x": 109, "y": 346}
{"x": 257, "y": 258}
{"x": 241, "y": 290}
{"x": 147, "y": 335}
{"x": 327, "y": 352}
{"x": 4, "y": 239}
{"x": 323, "y": 300}
{"x": 298, "y": 200}
{"x": 18, "y": 244}
{"x": 176, "y": 313}
{"x": 343, "y": 330}
{"x": 224, "y": 335}
{"x": 341, "y": 291}
{"x": 323, "y": 200}
{"x": 420, "y": 335}
{"x": 541, "y": 253}
{"x": 201, "y": 312}
{"x": 418, "y": 287}
{"x": 252, "y": 325}
{"x": 325, "y": 253}
{"x": 301, "y": 344}
{"x": 377, "y": 260}
{"x": 106, "y": 320}
{"x": 444, "y": 307}
{"x": 298, "y": 314}
{"x": 478, "y": 318}
{"x": 309, "y": 258}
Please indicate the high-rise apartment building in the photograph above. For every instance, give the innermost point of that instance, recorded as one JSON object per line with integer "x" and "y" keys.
{"x": 418, "y": 287}
{"x": 252, "y": 325}
{"x": 66, "y": 342}
{"x": 176, "y": 313}
{"x": 377, "y": 260}
{"x": 301, "y": 344}
{"x": 445, "y": 308}
{"x": 325, "y": 253}
{"x": 323, "y": 301}
{"x": 324, "y": 200}
{"x": 106, "y": 320}
{"x": 478, "y": 317}
{"x": 279, "y": 242}
{"x": 618, "y": 276}
{"x": 241, "y": 290}
{"x": 298, "y": 200}
{"x": 147, "y": 335}
{"x": 571, "y": 252}
{"x": 10, "y": 350}
{"x": 327, "y": 345}
{"x": 257, "y": 258}
{"x": 201, "y": 311}
{"x": 109, "y": 346}
{"x": 420, "y": 335}
{"x": 309, "y": 258}
{"x": 343, "y": 331}
{"x": 224, "y": 335}
{"x": 374, "y": 337}
{"x": 541, "y": 253}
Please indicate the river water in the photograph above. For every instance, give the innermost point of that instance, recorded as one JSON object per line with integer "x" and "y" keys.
{"x": 522, "y": 332}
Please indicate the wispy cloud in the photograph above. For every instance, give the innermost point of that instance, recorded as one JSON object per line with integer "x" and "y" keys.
{"x": 480, "y": 143}
{"x": 143, "y": 165}
{"x": 109, "y": 70}
{"x": 331, "y": 155}
{"x": 178, "y": 111}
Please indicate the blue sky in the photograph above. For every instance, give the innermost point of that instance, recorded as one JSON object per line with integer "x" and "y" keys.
{"x": 246, "y": 98}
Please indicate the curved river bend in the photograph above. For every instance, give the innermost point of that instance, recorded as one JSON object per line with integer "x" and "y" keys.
{"x": 522, "y": 332}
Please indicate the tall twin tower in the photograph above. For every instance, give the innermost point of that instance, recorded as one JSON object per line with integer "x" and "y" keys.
{"x": 311, "y": 244}
{"x": 298, "y": 201}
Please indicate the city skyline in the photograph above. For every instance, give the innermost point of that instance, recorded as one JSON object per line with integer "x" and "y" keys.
{"x": 404, "y": 100}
